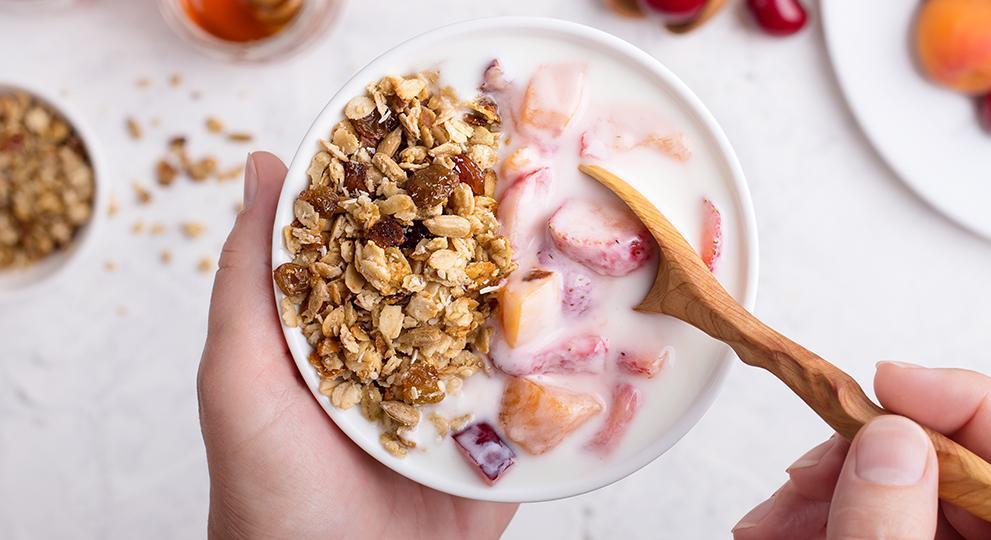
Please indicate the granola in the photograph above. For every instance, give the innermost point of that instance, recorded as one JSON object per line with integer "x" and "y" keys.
{"x": 46, "y": 181}
{"x": 397, "y": 251}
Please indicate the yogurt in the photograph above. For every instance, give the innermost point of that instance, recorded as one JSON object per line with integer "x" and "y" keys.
{"x": 636, "y": 131}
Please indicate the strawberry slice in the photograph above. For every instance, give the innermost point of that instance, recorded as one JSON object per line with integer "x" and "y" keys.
{"x": 712, "y": 235}
{"x": 538, "y": 417}
{"x": 607, "y": 240}
{"x": 578, "y": 295}
{"x": 522, "y": 208}
{"x": 644, "y": 365}
{"x": 625, "y": 402}
{"x": 553, "y": 97}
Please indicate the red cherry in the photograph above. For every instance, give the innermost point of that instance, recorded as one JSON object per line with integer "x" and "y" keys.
{"x": 676, "y": 11}
{"x": 778, "y": 17}
{"x": 984, "y": 110}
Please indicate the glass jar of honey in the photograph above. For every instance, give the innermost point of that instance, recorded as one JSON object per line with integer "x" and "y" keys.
{"x": 250, "y": 30}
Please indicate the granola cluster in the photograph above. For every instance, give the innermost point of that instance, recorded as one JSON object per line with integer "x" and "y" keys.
{"x": 396, "y": 251}
{"x": 46, "y": 181}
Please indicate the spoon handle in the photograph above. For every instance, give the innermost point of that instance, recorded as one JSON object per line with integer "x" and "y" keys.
{"x": 964, "y": 478}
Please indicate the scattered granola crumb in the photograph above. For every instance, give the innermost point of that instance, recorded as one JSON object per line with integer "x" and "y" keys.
{"x": 205, "y": 265}
{"x": 240, "y": 137}
{"x": 133, "y": 128}
{"x": 110, "y": 265}
{"x": 232, "y": 173}
{"x": 138, "y": 227}
{"x": 142, "y": 195}
{"x": 165, "y": 172}
{"x": 202, "y": 168}
{"x": 175, "y": 80}
{"x": 112, "y": 206}
{"x": 158, "y": 229}
{"x": 121, "y": 310}
{"x": 142, "y": 82}
{"x": 214, "y": 125}
{"x": 165, "y": 256}
{"x": 192, "y": 229}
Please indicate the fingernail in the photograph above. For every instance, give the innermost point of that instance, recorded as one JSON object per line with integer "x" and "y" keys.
{"x": 250, "y": 181}
{"x": 814, "y": 456}
{"x": 892, "y": 451}
{"x": 754, "y": 517}
{"x": 896, "y": 364}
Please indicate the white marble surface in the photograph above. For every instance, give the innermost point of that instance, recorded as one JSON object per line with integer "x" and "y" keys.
{"x": 98, "y": 429}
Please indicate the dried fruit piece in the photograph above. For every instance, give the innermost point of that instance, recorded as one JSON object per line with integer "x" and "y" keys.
{"x": 292, "y": 279}
{"x": 624, "y": 405}
{"x": 420, "y": 385}
{"x": 323, "y": 199}
{"x": 483, "y": 448}
{"x": 431, "y": 185}
{"x": 529, "y": 307}
{"x": 370, "y": 130}
{"x": 414, "y": 233}
{"x": 712, "y": 235}
{"x": 469, "y": 173}
{"x": 605, "y": 239}
{"x": 355, "y": 177}
{"x": 676, "y": 11}
{"x": 387, "y": 232}
{"x": 538, "y": 417}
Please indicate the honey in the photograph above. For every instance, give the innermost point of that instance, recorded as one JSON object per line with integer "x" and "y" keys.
{"x": 242, "y": 21}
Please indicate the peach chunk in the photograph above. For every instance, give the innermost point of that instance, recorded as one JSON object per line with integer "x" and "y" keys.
{"x": 538, "y": 417}
{"x": 953, "y": 42}
{"x": 553, "y": 96}
{"x": 607, "y": 240}
{"x": 530, "y": 306}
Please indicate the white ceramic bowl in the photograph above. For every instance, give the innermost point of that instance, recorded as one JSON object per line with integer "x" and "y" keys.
{"x": 20, "y": 283}
{"x": 411, "y": 55}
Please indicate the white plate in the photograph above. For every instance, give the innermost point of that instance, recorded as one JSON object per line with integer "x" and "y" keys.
{"x": 441, "y": 467}
{"x": 928, "y": 134}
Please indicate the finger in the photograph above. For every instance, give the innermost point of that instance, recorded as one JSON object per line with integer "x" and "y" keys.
{"x": 788, "y": 514}
{"x": 815, "y": 474}
{"x": 955, "y": 402}
{"x": 888, "y": 485}
{"x": 242, "y": 310}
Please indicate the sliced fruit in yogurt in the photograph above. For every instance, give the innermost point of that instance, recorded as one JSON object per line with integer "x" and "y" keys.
{"x": 606, "y": 239}
{"x": 552, "y": 98}
{"x": 625, "y": 402}
{"x": 521, "y": 208}
{"x": 626, "y": 130}
{"x": 537, "y": 417}
{"x": 483, "y": 448}
{"x": 712, "y": 234}
{"x": 644, "y": 364}
{"x": 530, "y": 306}
{"x": 578, "y": 354}
{"x": 578, "y": 295}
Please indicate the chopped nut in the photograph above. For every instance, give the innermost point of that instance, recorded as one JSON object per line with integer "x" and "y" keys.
{"x": 206, "y": 264}
{"x": 450, "y": 226}
{"x": 133, "y": 128}
{"x": 240, "y": 137}
{"x": 165, "y": 256}
{"x": 214, "y": 125}
{"x": 192, "y": 229}
{"x": 401, "y": 412}
{"x": 165, "y": 172}
{"x": 142, "y": 195}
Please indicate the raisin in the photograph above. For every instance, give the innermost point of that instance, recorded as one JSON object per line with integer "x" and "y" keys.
{"x": 371, "y": 129}
{"x": 432, "y": 185}
{"x": 414, "y": 233}
{"x": 387, "y": 232}
{"x": 292, "y": 279}
{"x": 469, "y": 173}
{"x": 419, "y": 385}
{"x": 354, "y": 177}
{"x": 322, "y": 198}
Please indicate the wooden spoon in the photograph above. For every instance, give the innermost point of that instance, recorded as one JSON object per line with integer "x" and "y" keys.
{"x": 685, "y": 289}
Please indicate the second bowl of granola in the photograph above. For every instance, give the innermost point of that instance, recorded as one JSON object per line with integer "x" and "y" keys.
{"x": 51, "y": 198}
{"x": 460, "y": 300}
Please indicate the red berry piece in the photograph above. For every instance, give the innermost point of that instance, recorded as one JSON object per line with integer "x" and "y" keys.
{"x": 778, "y": 17}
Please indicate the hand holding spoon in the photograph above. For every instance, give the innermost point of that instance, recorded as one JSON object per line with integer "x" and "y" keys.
{"x": 685, "y": 289}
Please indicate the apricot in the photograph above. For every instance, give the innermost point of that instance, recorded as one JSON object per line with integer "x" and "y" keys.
{"x": 953, "y": 41}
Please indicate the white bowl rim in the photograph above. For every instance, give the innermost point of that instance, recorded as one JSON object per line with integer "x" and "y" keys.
{"x": 86, "y": 237}
{"x": 693, "y": 414}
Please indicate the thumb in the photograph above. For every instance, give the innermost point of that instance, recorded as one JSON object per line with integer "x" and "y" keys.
{"x": 242, "y": 292}
{"x": 888, "y": 486}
